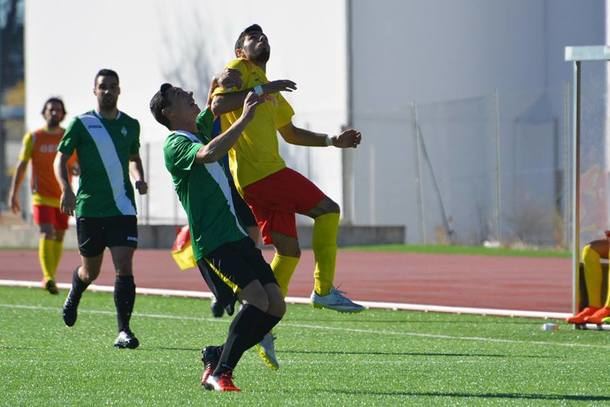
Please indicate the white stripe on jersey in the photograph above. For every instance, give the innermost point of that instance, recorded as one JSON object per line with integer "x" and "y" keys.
{"x": 111, "y": 162}
{"x": 218, "y": 174}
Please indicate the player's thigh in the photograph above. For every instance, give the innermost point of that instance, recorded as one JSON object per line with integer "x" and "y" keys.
{"x": 91, "y": 236}
{"x": 122, "y": 258}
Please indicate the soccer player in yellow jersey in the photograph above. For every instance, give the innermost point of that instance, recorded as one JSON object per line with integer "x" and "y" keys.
{"x": 597, "y": 309}
{"x": 39, "y": 148}
{"x": 274, "y": 192}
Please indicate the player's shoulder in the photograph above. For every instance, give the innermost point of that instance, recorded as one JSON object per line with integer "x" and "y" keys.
{"x": 241, "y": 64}
{"x": 129, "y": 119}
{"x": 77, "y": 121}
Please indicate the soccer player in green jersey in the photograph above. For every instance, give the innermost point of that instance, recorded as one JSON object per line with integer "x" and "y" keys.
{"x": 218, "y": 237}
{"x": 107, "y": 142}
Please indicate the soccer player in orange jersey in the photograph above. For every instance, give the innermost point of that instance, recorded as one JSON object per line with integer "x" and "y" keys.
{"x": 40, "y": 147}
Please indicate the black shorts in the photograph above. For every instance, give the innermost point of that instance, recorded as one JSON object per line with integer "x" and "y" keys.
{"x": 95, "y": 234}
{"x": 241, "y": 262}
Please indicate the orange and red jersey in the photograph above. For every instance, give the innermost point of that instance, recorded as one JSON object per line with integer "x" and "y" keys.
{"x": 40, "y": 147}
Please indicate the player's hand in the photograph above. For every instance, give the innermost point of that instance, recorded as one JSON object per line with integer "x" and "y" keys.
{"x": 282, "y": 85}
{"x": 349, "y": 138}
{"x": 142, "y": 187}
{"x": 229, "y": 78}
{"x": 67, "y": 202}
{"x": 14, "y": 203}
{"x": 250, "y": 102}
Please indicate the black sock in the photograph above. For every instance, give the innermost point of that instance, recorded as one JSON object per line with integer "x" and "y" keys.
{"x": 247, "y": 329}
{"x": 78, "y": 286}
{"x": 124, "y": 299}
{"x": 265, "y": 326}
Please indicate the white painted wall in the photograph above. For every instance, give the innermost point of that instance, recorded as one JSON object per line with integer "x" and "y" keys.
{"x": 443, "y": 56}
{"x": 145, "y": 41}
{"x": 421, "y": 52}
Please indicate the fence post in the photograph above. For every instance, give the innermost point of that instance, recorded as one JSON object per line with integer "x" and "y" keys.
{"x": 418, "y": 180}
{"x": 498, "y": 169}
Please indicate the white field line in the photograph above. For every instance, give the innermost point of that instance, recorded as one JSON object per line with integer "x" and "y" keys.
{"x": 303, "y": 300}
{"x": 375, "y": 332}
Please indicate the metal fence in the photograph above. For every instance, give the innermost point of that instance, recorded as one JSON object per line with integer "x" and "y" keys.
{"x": 485, "y": 170}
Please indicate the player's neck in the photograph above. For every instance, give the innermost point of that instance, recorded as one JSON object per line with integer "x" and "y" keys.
{"x": 52, "y": 129}
{"x": 110, "y": 114}
{"x": 185, "y": 125}
{"x": 261, "y": 64}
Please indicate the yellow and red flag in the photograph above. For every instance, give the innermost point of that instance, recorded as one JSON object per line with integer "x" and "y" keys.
{"x": 182, "y": 251}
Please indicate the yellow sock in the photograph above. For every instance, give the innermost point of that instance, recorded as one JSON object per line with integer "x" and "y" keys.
{"x": 58, "y": 250}
{"x": 593, "y": 275}
{"x": 283, "y": 267}
{"x": 45, "y": 256}
{"x": 324, "y": 242}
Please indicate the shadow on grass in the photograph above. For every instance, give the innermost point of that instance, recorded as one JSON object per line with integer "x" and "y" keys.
{"x": 508, "y": 396}
{"x": 439, "y": 354}
{"x": 157, "y": 348}
{"x": 454, "y": 321}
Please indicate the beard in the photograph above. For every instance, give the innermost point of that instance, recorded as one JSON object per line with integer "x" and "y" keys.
{"x": 108, "y": 104}
{"x": 263, "y": 56}
{"x": 53, "y": 122}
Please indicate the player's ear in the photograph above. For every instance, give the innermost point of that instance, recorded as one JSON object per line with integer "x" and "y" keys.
{"x": 238, "y": 53}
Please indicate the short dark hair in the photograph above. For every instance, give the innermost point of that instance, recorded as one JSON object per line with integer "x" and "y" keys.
{"x": 159, "y": 102}
{"x": 53, "y": 99}
{"x": 254, "y": 28}
{"x": 106, "y": 72}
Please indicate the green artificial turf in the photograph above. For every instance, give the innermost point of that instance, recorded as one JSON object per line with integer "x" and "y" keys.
{"x": 378, "y": 357}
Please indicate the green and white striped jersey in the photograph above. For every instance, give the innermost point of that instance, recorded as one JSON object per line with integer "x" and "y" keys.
{"x": 203, "y": 189}
{"x": 103, "y": 148}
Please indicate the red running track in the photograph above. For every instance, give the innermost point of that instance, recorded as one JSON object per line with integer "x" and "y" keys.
{"x": 516, "y": 283}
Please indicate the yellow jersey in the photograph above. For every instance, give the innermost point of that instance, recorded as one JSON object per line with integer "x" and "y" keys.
{"x": 256, "y": 154}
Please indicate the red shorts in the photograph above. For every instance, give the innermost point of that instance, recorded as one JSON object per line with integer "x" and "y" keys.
{"x": 276, "y": 199}
{"x": 47, "y": 214}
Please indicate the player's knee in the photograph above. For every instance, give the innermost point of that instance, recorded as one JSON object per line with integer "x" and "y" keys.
{"x": 277, "y": 307}
{"x": 87, "y": 274}
{"x": 332, "y": 207}
{"x": 287, "y": 246}
{"x": 255, "y": 295}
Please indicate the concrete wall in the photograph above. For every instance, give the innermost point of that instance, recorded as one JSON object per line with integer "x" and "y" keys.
{"x": 410, "y": 59}
{"x": 149, "y": 42}
{"x": 413, "y": 56}
{"x": 162, "y": 236}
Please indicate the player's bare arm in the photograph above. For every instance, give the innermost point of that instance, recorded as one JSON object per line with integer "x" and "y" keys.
{"x": 349, "y": 138}
{"x": 227, "y": 79}
{"x": 67, "y": 201}
{"x": 230, "y": 101}
{"x": 220, "y": 145}
{"x": 137, "y": 172}
{"x": 13, "y": 197}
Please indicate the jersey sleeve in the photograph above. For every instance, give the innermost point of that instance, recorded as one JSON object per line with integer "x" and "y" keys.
{"x": 179, "y": 153}
{"x": 71, "y": 137}
{"x": 26, "y": 147}
{"x": 205, "y": 125}
{"x": 283, "y": 112}
{"x": 242, "y": 67}
{"x": 134, "y": 149}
